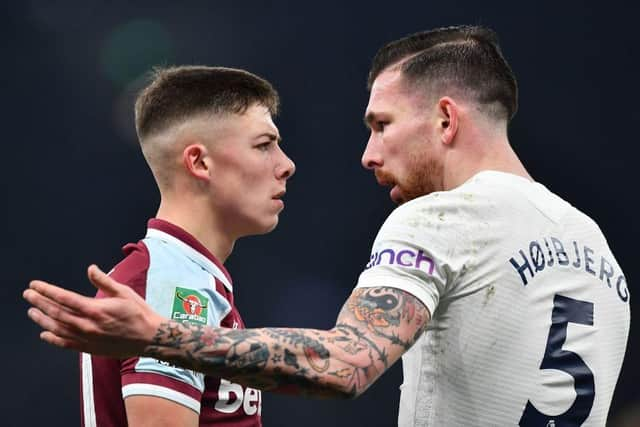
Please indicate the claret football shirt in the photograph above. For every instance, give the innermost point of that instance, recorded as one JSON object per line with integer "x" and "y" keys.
{"x": 180, "y": 279}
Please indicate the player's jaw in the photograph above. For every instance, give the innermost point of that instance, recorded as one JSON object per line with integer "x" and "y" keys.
{"x": 269, "y": 212}
{"x": 419, "y": 179}
{"x": 268, "y": 209}
{"x": 386, "y": 179}
{"x": 251, "y": 200}
{"x": 267, "y": 200}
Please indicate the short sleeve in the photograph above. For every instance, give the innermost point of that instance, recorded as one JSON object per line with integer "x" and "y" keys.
{"x": 420, "y": 248}
{"x": 183, "y": 292}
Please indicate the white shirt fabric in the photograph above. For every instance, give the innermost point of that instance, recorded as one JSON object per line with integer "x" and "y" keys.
{"x": 494, "y": 261}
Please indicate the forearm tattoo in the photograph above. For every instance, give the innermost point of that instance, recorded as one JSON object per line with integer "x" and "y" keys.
{"x": 375, "y": 327}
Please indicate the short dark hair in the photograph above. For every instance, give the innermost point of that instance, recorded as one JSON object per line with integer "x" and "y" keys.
{"x": 177, "y": 93}
{"x": 466, "y": 57}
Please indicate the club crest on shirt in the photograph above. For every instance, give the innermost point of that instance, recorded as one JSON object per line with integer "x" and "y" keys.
{"x": 190, "y": 305}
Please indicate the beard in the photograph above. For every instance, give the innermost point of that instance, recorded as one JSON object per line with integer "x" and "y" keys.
{"x": 421, "y": 178}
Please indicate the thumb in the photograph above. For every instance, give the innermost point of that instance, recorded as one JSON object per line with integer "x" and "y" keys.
{"x": 101, "y": 281}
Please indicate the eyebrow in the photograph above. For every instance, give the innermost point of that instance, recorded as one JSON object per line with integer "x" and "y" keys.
{"x": 368, "y": 119}
{"x": 271, "y": 136}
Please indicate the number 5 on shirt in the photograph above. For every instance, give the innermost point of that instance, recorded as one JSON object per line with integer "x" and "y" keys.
{"x": 565, "y": 310}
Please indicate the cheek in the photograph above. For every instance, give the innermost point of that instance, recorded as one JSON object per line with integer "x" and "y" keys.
{"x": 245, "y": 171}
{"x": 255, "y": 176}
{"x": 400, "y": 155}
{"x": 254, "y": 186}
{"x": 391, "y": 143}
{"x": 403, "y": 140}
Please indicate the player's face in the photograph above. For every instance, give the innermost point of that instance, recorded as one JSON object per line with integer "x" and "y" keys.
{"x": 250, "y": 173}
{"x": 402, "y": 149}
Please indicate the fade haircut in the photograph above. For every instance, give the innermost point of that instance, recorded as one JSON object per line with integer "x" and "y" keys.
{"x": 466, "y": 59}
{"x": 178, "y": 93}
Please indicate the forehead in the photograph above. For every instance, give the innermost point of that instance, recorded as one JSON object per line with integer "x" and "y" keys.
{"x": 390, "y": 92}
{"x": 255, "y": 120}
{"x": 257, "y": 117}
{"x": 226, "y": 130}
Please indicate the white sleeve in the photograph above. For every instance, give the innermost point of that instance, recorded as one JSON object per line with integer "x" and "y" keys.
{"x": 420, "y": 248}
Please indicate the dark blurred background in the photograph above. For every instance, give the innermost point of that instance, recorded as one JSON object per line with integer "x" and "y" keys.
{"x": 75, "y": 187}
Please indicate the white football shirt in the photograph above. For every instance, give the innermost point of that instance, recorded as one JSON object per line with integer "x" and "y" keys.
{"x": 529, "y": 308}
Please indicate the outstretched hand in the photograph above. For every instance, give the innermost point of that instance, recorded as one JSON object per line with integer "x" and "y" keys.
{"x": 119, "y": 325}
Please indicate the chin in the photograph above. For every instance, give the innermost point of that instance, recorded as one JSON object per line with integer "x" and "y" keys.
{"x": 268, "y": 227}
{"x": 256, "y": 227}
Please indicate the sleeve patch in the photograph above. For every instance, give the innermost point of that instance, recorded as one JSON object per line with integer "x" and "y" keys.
{"x": 190, "y": 305}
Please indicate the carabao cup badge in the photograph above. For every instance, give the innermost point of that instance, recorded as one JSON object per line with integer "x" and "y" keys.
{"x": 190, "y": 306}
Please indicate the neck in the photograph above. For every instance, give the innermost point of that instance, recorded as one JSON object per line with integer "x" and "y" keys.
{"x": 483, "y": 152}
{"x": 198, "y": 221}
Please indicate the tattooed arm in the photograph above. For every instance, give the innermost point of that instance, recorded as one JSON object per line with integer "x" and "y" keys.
{"x": 374, "y": 328}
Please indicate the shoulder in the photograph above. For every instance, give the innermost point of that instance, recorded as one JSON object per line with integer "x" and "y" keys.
{"x": 132, "y": 270}
{"x": 182, "y": 285}
{"x": 443, "y": 212}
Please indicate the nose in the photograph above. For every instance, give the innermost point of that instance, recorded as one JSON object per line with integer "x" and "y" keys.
{"x": 371, "y": 157}
{"x": 286, "y": 167}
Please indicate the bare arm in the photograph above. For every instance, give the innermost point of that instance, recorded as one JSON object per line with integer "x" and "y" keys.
{"x": 374, "y": 328}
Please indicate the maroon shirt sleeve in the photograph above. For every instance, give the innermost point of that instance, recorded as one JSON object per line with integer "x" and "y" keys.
{"x": 102, "y": 378}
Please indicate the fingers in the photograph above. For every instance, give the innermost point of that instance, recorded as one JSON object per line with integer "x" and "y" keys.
{"x": 42, "y": 319}
{"x": 45, "y": 322}
{"x": 48, "y": 306}
{"x": 69, "y": 299}
{"x": 102, "y": 281}
{"x": 55, "y": 317}
{"x": 53, "y": 339}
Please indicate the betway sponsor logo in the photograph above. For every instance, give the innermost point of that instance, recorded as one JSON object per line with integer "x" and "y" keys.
{"x": 232, "y": 396}
{"x": 402, "y": 257}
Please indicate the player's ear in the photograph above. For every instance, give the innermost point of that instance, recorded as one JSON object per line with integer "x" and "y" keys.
{"x": 448, "y": 113}
{"x": 197, "y": 161}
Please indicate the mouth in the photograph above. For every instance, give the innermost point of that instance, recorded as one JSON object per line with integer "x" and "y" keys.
{"x": 279, "y": 195}
{"x": 386, "y": 180}
{"x": 277, "y": 199}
